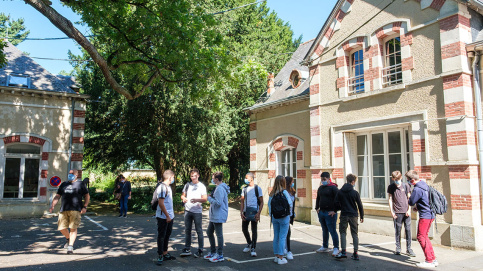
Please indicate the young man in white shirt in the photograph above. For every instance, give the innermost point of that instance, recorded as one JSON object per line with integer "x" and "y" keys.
{"x": 193, "y": 195}
{"x": 251, "y": 206}
{"x": 165, "y": 216}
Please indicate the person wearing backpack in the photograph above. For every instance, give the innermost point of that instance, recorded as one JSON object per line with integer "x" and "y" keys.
{"x": 398, "y": 195}
{"x": 165, "y": 216}
{"x": 420, "y": 198}
{"x": 350, "y": 201}
{"x": 289, "y": 187}
{"x": 193, "y": 195}
{"x": 327, "y": 213}
{"x": 251, "y": 206}
{"x": 218, "y": 215}
{"x": 279, "y": 207}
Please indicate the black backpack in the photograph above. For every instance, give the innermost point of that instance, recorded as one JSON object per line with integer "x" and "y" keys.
{"x": 154, "y": 200}
{"x": 279, "y": 206}
{"x": 437, "y": 201}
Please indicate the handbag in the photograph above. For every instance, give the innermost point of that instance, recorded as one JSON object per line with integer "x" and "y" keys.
{"x": 250, "y": 214}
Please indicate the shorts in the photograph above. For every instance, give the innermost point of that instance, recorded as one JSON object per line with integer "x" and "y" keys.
{"x": 69, "y": 219}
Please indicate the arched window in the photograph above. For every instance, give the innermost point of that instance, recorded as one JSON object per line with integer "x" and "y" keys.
{"x": 356, "y": 81}
{"x": 288, "y": 163}
{"x": 392, "y": 72}
{"x": 22, "y": 171}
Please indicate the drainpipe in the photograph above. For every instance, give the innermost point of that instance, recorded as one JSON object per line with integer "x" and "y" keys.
{"x": 71, "y": 137}
{"x": 479, "y": 120}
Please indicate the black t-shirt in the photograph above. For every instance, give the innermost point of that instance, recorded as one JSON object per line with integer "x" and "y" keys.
{"x": 399, "y": 197}
{"x": 72, "y": 194}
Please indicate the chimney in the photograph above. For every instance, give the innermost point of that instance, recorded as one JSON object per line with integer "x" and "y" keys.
{"x": 270, "y": 83}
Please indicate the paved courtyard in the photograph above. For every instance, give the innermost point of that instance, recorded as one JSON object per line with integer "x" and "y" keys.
{"x": 113, "y": 243}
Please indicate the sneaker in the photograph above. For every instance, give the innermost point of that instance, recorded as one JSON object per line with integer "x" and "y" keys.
{"x": 168, "y": 257}
{"x": 341, "y": 255}
{"x": 160, "y": 259}
{"x": 247, "y": 249}
{"x": 120, "y": 216}
{"x": 435, "y": 263}
{"x": 70, "y": 250}
{"x": 425, "y": 264}
{"x": 411, "y": 253}
{"x": 335, "y": 252}
{"x": 198, "y": 254}
{"x": 355, "y": 256}
{"x": 66, "y": 243}
{"x": 125, "y": 216}
{"x": 281, "y": 261}
{"x": 185, "y": 252}
{"x": 217, "y": 258}
{"x": 322, "y": 249}
{"x": 289, "y": 255}
{"x": 397, "y": 251}
{"x": 275, "y": 260}
{"x": 209, "y": 256}
{"x": 253, "y": 253}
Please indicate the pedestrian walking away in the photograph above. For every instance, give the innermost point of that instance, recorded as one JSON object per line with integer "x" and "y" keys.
{"x": 327, "y": 212}
{"x": 165, "y": 216}
{"x": 71, "y": 193}
{"x": 124, "y": 188}
{"x": 420, "y": 199}
{"x": 193, "y": 195}
{"x": 289, "y": 187}
{"x": 218, "y": 215}
{"x": 350, "y": 202}
{"x": 251, "y": 206}
{"x": 398, "y": 196}
{"x": 279, "y": 207}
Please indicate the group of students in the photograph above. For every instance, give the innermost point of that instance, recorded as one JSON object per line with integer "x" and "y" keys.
{"x": 281, "y": 200}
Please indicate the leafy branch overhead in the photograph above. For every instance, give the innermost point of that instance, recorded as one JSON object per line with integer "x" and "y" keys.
{"x": 157, "y": 40}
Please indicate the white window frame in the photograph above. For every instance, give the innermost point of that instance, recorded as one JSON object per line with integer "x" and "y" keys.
{"x": 22, "y": 172}
{"x": 292, "y": 162}
{"x": 351, "y": 81}
{"x": 404, "y": 160}
{"x": 387, "y": 71}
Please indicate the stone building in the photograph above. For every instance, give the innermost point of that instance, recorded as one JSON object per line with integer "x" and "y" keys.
{"x": 390, "y": 88}
{"x": 41, "y": 134}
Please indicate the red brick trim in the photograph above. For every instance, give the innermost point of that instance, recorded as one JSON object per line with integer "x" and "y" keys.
{"x": 407, "y": 64}
{"x": 78, "y": 140}
{"x": 456, "y": 80}
{"x": 338, "y": 173}
{"x": 396, "y": 27}
{"x": 315, "y": 151}
{"x": 328, "y": 34}
{"x": 461, "y": 138}
{"x": 292, "y": 141}
{"x": 253, "y": 142}
{"x": 464, "y": 202}
{"x": 314, "y": 70}
{"x": 437, "y": 4}
{"x": 453, "y": 22}
{"x": 340, "y": 15}
{"x": 253, "y": 126}
{"x": 463, "y": 172}
{"x": 419, "y": 145}
{"x": 406, "y": 39}
{"x": 314, "y": 89}
{"x": 45, "y": 156}
{"x": 301, "y": 173}
{"x": 271, "y": 174}
{"x": 338, "y": 152}
{"x": 342, "y": 61}
{"x": 44, "y": 173}
{"x": 459, "y": 109}
{"x": 36, "y": 140}
{"x": 253, "y": 157}
{"x": 300, "y": 155}
{"x": 315, "y": 130}
{"x": 11, "y": 139}
{"x": 424, "y": 172}
{"x": 341, "y": 82}
{"x": 43, "y": 191}
{"x": 272, "y": 157}
{"x": 314, "y": 194}
{"x": 79, "y": 126}
{"x": 301, "y": 192}
{"x": 79, "y": 113}
{"x": 76, "y": 157}
{"x": 345, "y": 46}
{"x": 453, "y": 49}
{"x": 380, "y": 33}
{"x": 319, "y": 50}
{"x": 278, "y": 144}
{"x": 314, "y": 111}
{"x": 315, "y": 173}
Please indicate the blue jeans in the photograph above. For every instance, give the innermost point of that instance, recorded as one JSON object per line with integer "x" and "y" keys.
{"x": 123, "y": 205}
{"x": 280, "y": 230}
{"x": 328, "y": 224}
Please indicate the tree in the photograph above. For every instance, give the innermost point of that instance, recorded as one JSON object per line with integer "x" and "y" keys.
{"x": 158, "y": 40}
{"x": 12, "y": 30}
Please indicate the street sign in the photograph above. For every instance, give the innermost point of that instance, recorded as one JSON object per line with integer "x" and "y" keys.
{"x": 55, "y": 181}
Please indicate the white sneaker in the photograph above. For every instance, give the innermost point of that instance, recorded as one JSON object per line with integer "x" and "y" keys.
{"x": 253, "y": 253}
{"x": 425, "y": 264}
{"x": 209, "y": 256}
{"x": 322, "y": 249}
{"x": 435, "y": 263}
{"x": 284, "y": 251}
{"x": 289, "y": 255}
{"x": 247, "y": 249}
{"x": 275, "y": 260}
{"x": 282, "y": 261}
{"x": 335, "y": 252}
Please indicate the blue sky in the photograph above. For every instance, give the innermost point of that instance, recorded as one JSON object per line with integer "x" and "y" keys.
{"x": 306, "y": 17}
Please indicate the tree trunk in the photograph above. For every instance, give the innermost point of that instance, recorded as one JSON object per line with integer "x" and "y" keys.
{"x": 234, "y": 172}
{"x": 158, "y": 165}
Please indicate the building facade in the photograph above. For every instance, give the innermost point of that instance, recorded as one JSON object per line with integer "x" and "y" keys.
{"x": 41, "y": 134}
{"x": 390, "y": 88}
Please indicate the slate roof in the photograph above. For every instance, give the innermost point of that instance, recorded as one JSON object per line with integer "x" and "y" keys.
{"x": 40, "y": 78}
{"x": 283, "y": 87}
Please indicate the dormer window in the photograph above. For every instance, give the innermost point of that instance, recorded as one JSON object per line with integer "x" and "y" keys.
{"x": 18, "y": 81}
{"x": 296, "y": 78}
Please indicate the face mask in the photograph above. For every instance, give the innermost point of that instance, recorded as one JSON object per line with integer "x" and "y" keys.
{"x": 70, "y": 177}
{"x": 247, "y": 181}
{"x": 398, "y": 182}
{"x": 172, "y": 181}
{"x": 325, "y": 182}
{"x": 293, "y": 184}
{"x": 354, "y": 185}
{"x": 123, "y": 180}
{"x": 213, "y": 181}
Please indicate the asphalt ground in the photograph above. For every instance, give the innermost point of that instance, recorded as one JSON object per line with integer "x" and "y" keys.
{"x": 107, "y": 242}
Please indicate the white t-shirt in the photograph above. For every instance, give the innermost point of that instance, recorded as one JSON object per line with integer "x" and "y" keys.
{"x": 195, "y": 191}
{"x": 251, "y": 200}
{"x": 164, "y": 192}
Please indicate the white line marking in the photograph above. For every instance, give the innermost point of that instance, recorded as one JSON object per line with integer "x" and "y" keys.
{"x": 45, "y": 233}
{"x": 90, "y": 219}
{"x": 296, "y": 228}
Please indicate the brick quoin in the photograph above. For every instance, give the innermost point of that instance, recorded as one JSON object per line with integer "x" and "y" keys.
{"x": 314, "y": 130}
{"x": 79, "y": 114}
{"x": 453, "y": 22}
{"x": 45, "y": 156}
{"x": 338, "y": 152}
{"x": 437, "y": 4}
{"x": 43, "y": 191}
{"x": 372, "y": 74}
{"x": 407, "y": 64}
{"x": 253, "y": 157}
{"x": 79, "y": 173}
{"x": 315, "y": 151}
{"x": 340, "y": 15}
{"x": 272, "y": 157}
{"x": 345, "y": 46}
{"x": 77, "y": 157}
{"x": 380, "y": 33}
{"x": 11, "y": 139}
{"x": 319, "y": 50}
{"x": 341, "y": 82}
{"x": 314, "y": 70}
{"x": 419, "y": 145}
{"x": 329, "y": 33}
{"x": 456, "y": 80}
{"x": 342, "y": 61}
{"x": 315, "y": 173}
{"x": 338, "y": 173}
{"x": 463, "y": 202}
{"x": 314, "y": 111}
{"x": 271, "y": 174}
{"x": 253, "y": 126}
{"x": 314, "y": 194}
{"x": 461, "y": 138}
{"x": 301, "y": 173}
{"x": 453, "y": 49}
{"x": 424, "y": 172}
{"x": 278, "y": 144}
{"x": 396, "y": 27}
{"x": 292, "y": 141}
{"x": 463, "y": 172}
{"x": 300, "y": 155}
{"x": 79, "y": 126}
{"x": 350, "y": 1}
{"x": 406, "y": 39}
{"x": 253, "y": 142}
{"x": 314, "y": 89}
{"x": 44, "y": 173}
{"x": 371, "y": 51}
{"x": 459, "y": 109}
{"x": 36, "y": 140}
{"x": 78, "y": 140}
{"x": 301, "y": 192}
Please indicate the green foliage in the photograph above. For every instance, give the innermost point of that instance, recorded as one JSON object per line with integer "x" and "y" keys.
{"x": 12, "y": 29}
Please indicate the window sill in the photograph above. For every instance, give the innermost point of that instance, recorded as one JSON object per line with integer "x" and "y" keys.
{"x": 374, "y": 92}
